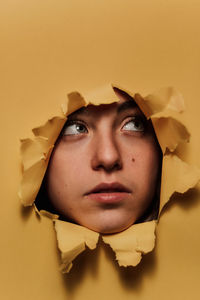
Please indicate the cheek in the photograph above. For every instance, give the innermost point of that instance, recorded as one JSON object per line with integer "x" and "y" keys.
{"x": 65, "y": 173}
{"x": 151, "y": 168}
{"x": 145, "y": 163}
{"x": 149, "y": 156}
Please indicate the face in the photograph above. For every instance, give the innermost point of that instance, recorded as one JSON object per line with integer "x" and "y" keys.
{"x": 104, "y": 169}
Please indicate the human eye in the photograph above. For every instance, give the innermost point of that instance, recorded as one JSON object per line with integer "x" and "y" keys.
{"x": 74, "y": 128}
{"x": 136, "y": 124}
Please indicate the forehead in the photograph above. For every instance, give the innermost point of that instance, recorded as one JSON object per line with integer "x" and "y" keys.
{"x": 125, "y": 103}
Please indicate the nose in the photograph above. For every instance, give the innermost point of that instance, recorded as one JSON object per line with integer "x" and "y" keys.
{"x": 106, "y": 153}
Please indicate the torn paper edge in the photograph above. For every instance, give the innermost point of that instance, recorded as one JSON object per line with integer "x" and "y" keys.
{"x": 168, "y": 99}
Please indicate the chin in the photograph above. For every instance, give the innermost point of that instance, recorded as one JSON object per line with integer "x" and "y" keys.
{"x": 107, "y": 221}
{"x": 109, "y": 228}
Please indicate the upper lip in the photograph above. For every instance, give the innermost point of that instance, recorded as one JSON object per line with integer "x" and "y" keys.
{"x": 113, "y": 187}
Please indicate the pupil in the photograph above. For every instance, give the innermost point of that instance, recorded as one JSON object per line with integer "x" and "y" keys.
{"x": 80, "y": 128}
{"x": 137, "y": 124}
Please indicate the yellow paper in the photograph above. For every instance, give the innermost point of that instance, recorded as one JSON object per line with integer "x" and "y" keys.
{"x": 50, "y": 48}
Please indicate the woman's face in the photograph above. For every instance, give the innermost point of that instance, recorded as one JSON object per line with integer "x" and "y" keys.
{"x": 104, "y": 169}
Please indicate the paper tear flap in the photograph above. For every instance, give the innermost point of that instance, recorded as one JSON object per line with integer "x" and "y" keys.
{"x": 177, "y": 176}
{"x": 129, "y": 245}
{"x": 72, "y": 240}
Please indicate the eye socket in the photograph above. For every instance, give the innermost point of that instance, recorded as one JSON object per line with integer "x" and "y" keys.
{"x": 74, "y": 128}
{"x": 135, "y": 124}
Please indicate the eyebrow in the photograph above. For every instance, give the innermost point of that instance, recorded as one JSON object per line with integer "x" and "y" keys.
{"x": 82, "y": 110}
{"x": 126, "y": 105}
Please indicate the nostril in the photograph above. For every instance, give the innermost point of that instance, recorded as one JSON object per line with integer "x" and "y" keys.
{"x": 109, "y": 167}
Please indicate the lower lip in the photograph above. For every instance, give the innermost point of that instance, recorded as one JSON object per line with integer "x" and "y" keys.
{"x": 109, "y": 198}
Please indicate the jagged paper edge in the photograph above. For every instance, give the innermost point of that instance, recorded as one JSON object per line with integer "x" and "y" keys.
{"x": 160, "y": 107}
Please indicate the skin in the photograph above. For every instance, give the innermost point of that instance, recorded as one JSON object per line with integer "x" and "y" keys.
{"x": 104, "y": 144}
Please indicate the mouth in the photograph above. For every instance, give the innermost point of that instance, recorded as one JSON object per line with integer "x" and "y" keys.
{"x": 109, "y": 193}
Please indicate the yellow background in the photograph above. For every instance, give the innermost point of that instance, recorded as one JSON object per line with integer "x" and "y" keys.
{"x": 49, "y": 48}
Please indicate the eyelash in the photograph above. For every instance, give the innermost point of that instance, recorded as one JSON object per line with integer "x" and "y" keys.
{"x": 140, "y": 119}
{"x": 71, "y": 123}
{"x": 132, "y": 119}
